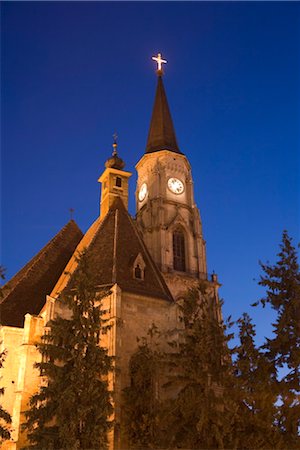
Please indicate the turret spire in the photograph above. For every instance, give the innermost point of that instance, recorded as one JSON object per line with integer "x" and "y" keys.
{"x": 115, "y": 161}
{"x": 161, "y": 132}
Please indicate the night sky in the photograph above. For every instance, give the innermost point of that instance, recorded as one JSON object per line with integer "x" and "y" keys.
{"x": 73, "y": 73}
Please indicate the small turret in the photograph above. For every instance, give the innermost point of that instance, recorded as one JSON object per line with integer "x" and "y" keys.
{"x": 114, "y": 181}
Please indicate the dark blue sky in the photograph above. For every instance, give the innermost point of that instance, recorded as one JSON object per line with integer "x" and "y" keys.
{"x": 73, "y": 73}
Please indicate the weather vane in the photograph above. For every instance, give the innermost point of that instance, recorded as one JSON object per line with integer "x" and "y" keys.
{"x": 115, "y": 145}
{"x": 159, "y": 61}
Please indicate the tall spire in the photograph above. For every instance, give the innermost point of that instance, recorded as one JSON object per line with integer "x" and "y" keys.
{"x": 161, "y": 132}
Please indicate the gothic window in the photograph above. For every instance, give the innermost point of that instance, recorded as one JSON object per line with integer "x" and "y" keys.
{"x": 119, "y": 182}
{"x": 178, "y": 251}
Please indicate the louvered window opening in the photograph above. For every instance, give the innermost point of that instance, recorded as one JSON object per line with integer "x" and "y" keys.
{"x": 178, "y": 251}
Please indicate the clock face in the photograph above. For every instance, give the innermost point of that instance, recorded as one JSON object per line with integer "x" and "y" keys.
{"x": 176, "y": 186}
{"x": 143, "y": 192}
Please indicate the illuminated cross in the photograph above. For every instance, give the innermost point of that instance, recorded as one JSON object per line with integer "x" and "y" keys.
{"x": 159, "y": 61}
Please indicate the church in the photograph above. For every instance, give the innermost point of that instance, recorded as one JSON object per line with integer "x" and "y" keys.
{"x": 147, "y": 263}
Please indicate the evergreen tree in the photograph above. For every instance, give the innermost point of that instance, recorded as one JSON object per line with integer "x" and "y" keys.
{"x": 257, "y": 391}
{"x": 282, "y": 283}
{"x": 204, "y": 414}
{"x": 72, "y": 407}
{"x": 5, "y": 418}
{"x": 141, "y": 403}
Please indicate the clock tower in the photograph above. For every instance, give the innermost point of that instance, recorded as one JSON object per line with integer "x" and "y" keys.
{"x": 167, "y": 215}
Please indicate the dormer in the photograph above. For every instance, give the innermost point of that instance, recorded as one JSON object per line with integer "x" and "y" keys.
{"x": 139, "y": 268}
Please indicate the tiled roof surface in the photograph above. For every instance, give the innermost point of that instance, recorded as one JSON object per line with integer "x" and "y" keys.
{"x": 112, "y": 252}
{"x": 111, "y": 245}
{"x": 26, "y": 291}
{"x": 161, "y": 132}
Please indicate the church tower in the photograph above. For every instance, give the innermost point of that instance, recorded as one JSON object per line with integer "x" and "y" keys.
{"x": 167, "y": 215}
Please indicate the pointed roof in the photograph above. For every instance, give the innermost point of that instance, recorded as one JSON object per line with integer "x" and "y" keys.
{"x": 161, "y": 133}
{"x": 26, "y": 291}
{"x": 112, "y": 251}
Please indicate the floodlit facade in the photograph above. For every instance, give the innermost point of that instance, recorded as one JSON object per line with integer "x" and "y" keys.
{"x": 148, "y": 263}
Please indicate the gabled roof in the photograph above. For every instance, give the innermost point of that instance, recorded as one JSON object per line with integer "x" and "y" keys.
{"x": 111, "y": 250}
{"x": 161, "y": 133}
{"x": 26, "y": 291}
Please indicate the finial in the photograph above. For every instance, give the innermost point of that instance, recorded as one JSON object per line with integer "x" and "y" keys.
{"x": 115, "y": 145}
{"x": 71, "y": 213}
{"x": 159, "y": 61}
{"x": 115, "y": 162}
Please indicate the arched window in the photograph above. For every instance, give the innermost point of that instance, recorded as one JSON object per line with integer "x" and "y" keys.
{"x": 178, "y": 251}
{"x": 138, "y": 272}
